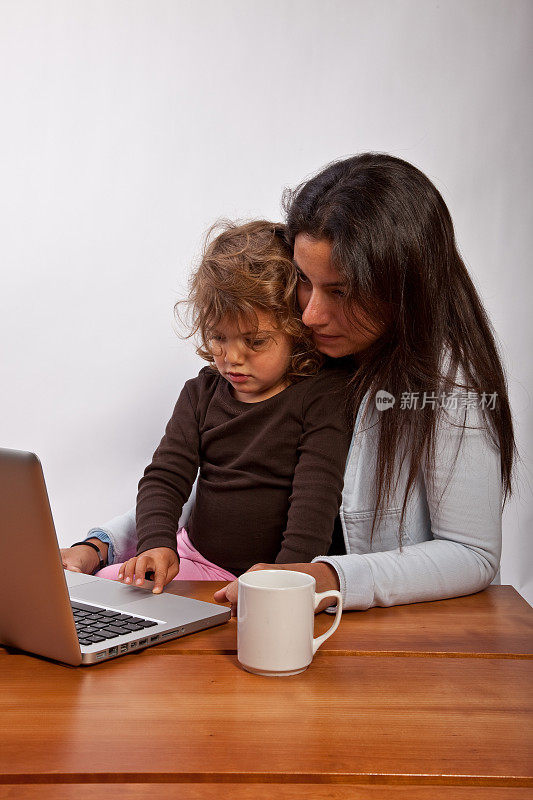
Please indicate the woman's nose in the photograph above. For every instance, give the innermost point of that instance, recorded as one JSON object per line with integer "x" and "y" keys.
{"x": 314, "y": 312}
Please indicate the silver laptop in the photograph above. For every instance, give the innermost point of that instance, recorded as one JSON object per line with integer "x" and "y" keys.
{"x": 67, "y": 616}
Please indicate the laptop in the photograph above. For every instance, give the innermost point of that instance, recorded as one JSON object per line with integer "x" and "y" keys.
{"x": 66, "y": 616}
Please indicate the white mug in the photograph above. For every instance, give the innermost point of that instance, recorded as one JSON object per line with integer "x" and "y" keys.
{"x": 275, "y": 621}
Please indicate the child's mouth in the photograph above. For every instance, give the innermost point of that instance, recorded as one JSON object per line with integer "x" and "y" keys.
{"x": 237, "y": 377}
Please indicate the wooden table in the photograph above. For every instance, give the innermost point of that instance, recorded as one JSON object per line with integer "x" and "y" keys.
{"x": 430, "y": 700}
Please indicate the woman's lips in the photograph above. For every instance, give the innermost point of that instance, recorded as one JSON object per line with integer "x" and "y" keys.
{"x": 324, "y": 337}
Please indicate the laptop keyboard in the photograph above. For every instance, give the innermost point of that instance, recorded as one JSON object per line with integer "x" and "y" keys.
{"x": 95, "y": 624}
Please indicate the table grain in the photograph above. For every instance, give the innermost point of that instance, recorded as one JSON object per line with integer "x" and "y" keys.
{"x": 255, "y": 791}
{"x": 200, "y": 717}
{"x": 416, "y": 701}
{"x": 495, "y": 622}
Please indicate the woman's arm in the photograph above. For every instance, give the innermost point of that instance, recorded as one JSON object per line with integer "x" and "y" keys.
{"x": 84, "y": 559}
{"x": 464, "y": 495}
{"x": 120, "y": 534}
{"x": 116, "y": 539}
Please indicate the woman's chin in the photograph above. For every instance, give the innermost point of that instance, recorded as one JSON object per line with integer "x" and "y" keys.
{"x": 334, "y": 349}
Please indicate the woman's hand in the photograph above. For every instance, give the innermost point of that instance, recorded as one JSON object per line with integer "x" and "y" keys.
{"x": 162, "y": 561}
{"x": 324, "y": 574}
{"x": 83, "y": 558}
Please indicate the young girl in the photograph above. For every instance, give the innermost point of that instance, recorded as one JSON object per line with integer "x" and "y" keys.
{"x": 260, "y": 427}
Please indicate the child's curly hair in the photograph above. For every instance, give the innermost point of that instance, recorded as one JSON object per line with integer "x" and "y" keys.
{"x": 243, "y": 268}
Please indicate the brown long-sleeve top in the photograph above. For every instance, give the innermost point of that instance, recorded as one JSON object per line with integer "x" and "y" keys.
{"x": 270, "y": 473}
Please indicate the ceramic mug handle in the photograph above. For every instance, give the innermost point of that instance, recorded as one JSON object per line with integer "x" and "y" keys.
{"x": 318, "y": 598}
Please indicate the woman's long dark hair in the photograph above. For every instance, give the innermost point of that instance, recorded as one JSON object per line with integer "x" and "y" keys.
{"x": 393, "y": 243}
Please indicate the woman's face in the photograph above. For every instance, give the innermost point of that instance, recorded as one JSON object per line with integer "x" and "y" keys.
{"x": 321, "y": 295}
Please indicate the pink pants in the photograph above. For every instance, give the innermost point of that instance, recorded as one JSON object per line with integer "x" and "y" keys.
{"x": 193, "y": 566}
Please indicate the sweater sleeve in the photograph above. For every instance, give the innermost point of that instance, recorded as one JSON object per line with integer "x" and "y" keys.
{"x": 318, "y": 477}
{"x": 167, "y": 481}
{"x": 121, "y": 534}
{"x": 464, "y": 494}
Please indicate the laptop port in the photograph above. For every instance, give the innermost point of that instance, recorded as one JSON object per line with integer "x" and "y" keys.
{"x": 100, "y": 655}
{"x": 154, "y": 638}
{"x": 142, "y": 641}
{"x": 123, "y": 648}
{"x": 170, "y": 633}
{"x": 113, "y": 651}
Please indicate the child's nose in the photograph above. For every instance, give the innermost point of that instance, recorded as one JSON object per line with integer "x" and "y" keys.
{"x": 233, "y": 354}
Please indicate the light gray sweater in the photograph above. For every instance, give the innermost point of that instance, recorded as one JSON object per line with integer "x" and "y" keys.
{"x": 451, "y": 538}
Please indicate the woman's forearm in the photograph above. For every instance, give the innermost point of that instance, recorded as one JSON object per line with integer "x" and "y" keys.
{"x": 432, "y": 570}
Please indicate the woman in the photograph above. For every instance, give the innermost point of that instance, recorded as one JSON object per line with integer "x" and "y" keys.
{"x": 381, "y": 283}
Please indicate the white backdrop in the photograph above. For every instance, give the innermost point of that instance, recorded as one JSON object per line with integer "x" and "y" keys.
{"x": 128, "y": 126}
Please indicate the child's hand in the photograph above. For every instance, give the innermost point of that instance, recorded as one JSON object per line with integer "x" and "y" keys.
{"x": 162, "y": 561}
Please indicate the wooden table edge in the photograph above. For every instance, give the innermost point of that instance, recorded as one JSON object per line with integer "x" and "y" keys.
{"x": 360, "y": 779}
{"x": 345, "y": 653}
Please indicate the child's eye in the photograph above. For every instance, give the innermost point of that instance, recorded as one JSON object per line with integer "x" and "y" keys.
{"x": 216, "y": 337}
{"x": 254, "y": 344}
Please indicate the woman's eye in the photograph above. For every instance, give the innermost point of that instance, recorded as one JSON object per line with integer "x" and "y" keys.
{"x": 339, "y": 293}
{"x": 301, "y": 277}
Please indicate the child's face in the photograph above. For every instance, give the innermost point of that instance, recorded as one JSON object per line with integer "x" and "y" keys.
{"x": 254, "y": 363}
